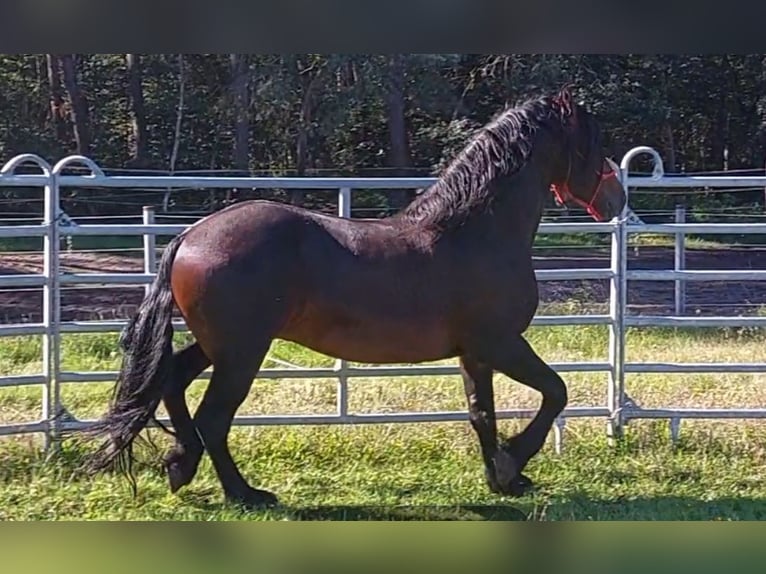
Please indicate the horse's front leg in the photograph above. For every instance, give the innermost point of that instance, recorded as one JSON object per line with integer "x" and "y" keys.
{"x": 514, "y": 357}
{"x": 502, "y": 474}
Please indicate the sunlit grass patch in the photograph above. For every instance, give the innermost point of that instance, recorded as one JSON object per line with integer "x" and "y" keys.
{"x": 395, "y": 471}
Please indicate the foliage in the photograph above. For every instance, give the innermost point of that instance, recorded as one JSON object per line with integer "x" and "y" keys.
{"x": 330, "y": 114}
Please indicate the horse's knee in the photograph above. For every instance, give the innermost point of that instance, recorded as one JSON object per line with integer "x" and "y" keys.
{"x": 557, "y": 396}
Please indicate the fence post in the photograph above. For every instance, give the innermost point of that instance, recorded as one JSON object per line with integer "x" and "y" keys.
{"x": 680, "y": 262}
{"x": 344, "y": 210}
{"x": 617, "y": 305}
{"x": 51, "y": 314}
{"x": 150, "y": 245}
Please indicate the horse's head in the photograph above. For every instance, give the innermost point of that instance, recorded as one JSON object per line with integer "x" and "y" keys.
{"x": 586, "y": 177}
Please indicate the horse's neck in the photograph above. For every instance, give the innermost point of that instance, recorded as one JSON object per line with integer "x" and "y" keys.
{"x": 518, "y": 208}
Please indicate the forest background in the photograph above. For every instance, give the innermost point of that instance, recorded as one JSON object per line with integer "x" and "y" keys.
{"x": 358, "y": 115}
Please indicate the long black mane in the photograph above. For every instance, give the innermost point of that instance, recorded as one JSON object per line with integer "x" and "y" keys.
{"x": 502, "y": 147}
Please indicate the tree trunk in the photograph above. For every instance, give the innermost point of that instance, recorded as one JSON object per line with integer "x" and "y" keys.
{"x": 309, "y": 81}
{"x": 179, "y": 121}
{"x": 399, "y": 150}
{"x": 138, "y": 116}
{"x": 670, "y": 147}
{"x": 718, "y": 145}
{"x": 58, "y": 121}
{"x": 762, "y": 127}
{"x": 179, "y": 113}
{"x": 719, "y": 131}
{"x": 241, "y": 99}
{"x": 79, "y": 104}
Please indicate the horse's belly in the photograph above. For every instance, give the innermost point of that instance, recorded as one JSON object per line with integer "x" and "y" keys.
{"x": 367, "y": 338}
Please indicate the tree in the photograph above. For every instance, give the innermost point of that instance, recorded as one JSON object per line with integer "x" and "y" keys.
{"x": 366, "y": 115}
{"x": 138, "y": 142}
{"x": 310, "y": 72}
{"x": 58, "y": 113}
{"x": 399, "y": 150}
{"x": 241, "y": 98}
{"x": 79, "y": 112}
{"x": 179, "y": 121}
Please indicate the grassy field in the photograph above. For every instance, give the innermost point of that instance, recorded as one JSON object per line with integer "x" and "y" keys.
{"x": 132, "y": 245}
{"x": 716, "y": 471}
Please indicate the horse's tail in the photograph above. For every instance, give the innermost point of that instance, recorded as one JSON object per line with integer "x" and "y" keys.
{"x": 146, "y": 369}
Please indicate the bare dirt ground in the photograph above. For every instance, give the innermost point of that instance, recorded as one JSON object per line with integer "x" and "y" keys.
{"x": 703, "y": 298}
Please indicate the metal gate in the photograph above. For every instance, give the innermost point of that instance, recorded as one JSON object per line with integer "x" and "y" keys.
{"x": 616, "y": 411}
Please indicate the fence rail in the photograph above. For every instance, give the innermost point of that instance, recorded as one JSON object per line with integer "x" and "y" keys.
{"x": 618, "y": 409}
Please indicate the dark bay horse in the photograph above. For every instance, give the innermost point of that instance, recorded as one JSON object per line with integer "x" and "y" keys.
{"x": 451, "y": 275}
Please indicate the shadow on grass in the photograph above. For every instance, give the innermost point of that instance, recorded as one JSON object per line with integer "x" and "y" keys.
{"x": 656, "y": 508}
{"x": 576, "y": 507}
{"x": 500, "y": 513}
{"x": 207, "y": 500}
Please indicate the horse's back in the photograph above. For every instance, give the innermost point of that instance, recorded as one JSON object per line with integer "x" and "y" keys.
{"x": 375, "y": 292}
{"x": 243, "y": 226}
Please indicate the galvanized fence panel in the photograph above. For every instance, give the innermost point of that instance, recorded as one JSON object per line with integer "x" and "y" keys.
{"x": 629, "y": 410}
{"x": 617, "y": 411}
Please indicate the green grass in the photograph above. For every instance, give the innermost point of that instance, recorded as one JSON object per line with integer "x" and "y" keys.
{"x": 603, "y": 240}
{"x": 119, "y": 243}
{"x": 716, "y": 471}
{"x": 542, "y": 241}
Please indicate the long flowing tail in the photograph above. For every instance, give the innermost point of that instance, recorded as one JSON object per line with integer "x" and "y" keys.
{"x": 147, "y": 364}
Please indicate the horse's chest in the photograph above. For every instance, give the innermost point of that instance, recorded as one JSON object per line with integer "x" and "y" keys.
{"x": 508, "y": 295}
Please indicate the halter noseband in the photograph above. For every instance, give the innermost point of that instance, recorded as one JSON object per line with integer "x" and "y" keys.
{"x": 563, "y": 193}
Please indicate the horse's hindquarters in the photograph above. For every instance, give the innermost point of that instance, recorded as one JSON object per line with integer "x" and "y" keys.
{"x": 234, "y": 277}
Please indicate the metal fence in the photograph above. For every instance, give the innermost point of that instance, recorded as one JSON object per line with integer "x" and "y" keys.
{"x": 617, "y": 410}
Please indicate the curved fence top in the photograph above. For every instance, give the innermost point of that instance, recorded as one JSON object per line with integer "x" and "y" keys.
{"x": 98, "y": 178}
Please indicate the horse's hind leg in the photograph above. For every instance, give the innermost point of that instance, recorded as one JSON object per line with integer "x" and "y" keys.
{"x": 231, "y": 381}
{"x": 182, "y": 459}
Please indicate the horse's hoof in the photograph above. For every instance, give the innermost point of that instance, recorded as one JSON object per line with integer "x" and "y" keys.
{"x": 177, "y": 477}
{"x": 520, "y": 486}
{"x": 254, "y": 499}
{"x": 180, "y": 469}
{"x": 506, "y": 467}
{"x": 492, "y": 483}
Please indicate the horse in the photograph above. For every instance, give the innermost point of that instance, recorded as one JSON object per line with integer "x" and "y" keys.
{"x": 449, "y": 276}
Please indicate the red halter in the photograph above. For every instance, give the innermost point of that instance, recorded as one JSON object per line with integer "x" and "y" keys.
{"x": 563, "y": 193}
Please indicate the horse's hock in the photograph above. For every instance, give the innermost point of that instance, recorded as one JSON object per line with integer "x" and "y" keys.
{"x": 51, "y": 294}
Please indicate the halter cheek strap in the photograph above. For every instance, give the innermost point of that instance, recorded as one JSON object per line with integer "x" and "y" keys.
{"x": 564, "y": 194}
